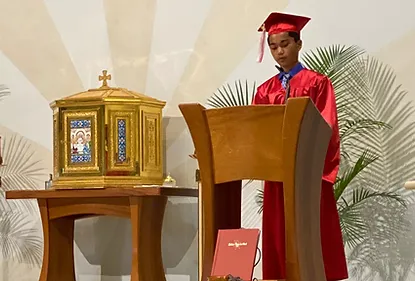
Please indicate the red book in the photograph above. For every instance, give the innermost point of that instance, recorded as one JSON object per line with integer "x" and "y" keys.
{"x": 235, "y": 253}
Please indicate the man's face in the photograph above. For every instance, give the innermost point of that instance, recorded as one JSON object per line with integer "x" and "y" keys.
{"x": 284, "y": 49}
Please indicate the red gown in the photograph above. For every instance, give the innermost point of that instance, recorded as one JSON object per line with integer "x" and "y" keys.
{"x": 319, "y": 88}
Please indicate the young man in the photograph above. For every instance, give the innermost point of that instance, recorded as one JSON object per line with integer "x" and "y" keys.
{"x": 285, "y": 44}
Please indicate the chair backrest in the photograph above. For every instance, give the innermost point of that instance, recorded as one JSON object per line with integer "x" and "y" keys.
{"x": 284, "y": 143}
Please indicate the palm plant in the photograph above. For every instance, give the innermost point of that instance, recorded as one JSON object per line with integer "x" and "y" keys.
{"x": 22, "y": 171}
{"x": 4, "y": 91}
{"x": 18, "y": 240}
{"x": 376, "y": 157}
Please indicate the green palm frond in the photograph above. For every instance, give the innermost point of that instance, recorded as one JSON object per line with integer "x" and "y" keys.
{"x": 240, "y": 95}
{"x": 354, "y": 226}
{"x": 22, "y": 171}
{"x": 352, "y": 127}
{"x": 350, "y": 130}
{"x": 19, "y": 242}
{"x": 331, "y": 60}
{"x": 342, "y": 182}
{"x": 395, "y": 164}
{"x": 378, "y": 260}
{"x": 387, "y": 248}
{"x": 4, "y": 91}
{"x": 395, "y": 147}
{"x": 336, "y": 62}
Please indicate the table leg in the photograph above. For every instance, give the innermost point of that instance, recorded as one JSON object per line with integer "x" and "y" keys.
{"x": 58, "y": 255}
{"x": 146, "y": 223}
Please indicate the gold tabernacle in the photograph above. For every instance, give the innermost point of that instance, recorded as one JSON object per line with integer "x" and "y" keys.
{"x": 107, "y": 137}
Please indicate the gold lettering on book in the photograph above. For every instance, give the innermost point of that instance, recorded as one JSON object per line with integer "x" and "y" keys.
{"x": 237, "y": 244}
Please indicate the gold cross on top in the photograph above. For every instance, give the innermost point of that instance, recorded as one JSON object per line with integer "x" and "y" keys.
{"x": 104, "y": 77}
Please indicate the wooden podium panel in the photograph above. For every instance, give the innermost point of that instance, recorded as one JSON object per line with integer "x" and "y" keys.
{"x": 144, "y": 207}
{"x": 278, "y": 143}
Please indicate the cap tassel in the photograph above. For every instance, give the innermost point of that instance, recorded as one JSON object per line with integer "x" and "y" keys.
{"x": 261, "y": 45}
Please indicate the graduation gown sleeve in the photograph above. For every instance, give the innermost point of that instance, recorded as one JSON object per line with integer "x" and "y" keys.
{"x": 325, "y": 102}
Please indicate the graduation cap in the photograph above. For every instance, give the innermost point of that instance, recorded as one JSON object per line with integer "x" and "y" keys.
{"x": 278, "y": 23}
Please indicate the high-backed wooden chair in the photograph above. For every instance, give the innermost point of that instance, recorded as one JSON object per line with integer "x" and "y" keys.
{"x": 282, "y": 143}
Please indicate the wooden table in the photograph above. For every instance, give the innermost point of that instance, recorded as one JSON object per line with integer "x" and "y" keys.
{"x": 60, "y": 208}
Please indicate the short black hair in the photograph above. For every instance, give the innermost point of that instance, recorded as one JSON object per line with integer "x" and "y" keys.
{"x": 292, "y": 34}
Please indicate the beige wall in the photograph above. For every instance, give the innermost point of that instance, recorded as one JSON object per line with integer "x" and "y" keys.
{"x": 178, "y": 51}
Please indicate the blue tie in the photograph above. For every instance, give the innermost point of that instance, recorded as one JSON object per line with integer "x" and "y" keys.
{"x": 285, "y": 79}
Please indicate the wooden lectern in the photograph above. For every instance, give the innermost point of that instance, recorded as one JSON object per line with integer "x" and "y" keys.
{"x": 283, "y": 143}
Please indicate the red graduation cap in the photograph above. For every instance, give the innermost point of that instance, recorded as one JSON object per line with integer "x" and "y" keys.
{"x": 277, "y": 23}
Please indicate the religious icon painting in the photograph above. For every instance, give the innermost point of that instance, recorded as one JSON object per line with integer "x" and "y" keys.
{"x": 123, "y": 141}
{"x": 81, "y": 141}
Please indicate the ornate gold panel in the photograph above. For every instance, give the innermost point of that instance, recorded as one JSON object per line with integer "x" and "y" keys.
{"x": 151, "y": 142}
{"x": 57, "y": 130}
{"x": 123, "y": 144}
{"x": 80, "y": 141}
